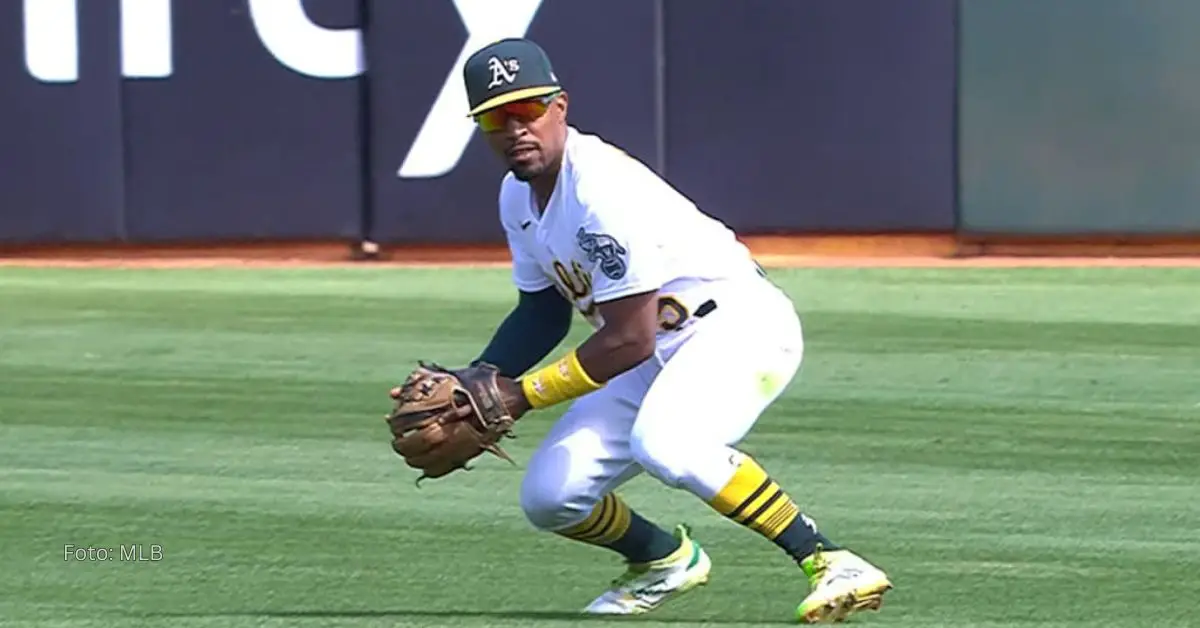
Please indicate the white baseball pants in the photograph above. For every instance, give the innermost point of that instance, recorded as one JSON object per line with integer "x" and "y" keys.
{"x": 676, "y": 415}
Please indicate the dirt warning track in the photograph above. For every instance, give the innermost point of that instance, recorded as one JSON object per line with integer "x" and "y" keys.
{"x": 773, "y": 251}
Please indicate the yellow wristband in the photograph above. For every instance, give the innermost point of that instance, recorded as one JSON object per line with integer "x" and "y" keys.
{"x": 558, "y": 382}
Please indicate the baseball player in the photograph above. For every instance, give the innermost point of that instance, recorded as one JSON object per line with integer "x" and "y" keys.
{"x": 692, "y": 342}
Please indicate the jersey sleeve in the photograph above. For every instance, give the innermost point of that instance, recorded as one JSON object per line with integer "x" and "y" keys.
{"x": 622, "y": 253}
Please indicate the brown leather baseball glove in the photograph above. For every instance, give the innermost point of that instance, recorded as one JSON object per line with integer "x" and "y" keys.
{"x": 444, "y": 418}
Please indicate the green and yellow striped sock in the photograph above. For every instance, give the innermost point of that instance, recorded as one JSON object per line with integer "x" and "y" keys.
{"x": 614, "y": 525}
{"x": 754, "y": 500}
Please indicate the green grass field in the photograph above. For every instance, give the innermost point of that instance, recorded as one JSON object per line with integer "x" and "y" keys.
{"x": 1017, "y": 447}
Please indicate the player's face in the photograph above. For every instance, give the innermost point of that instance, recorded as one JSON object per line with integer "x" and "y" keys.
{"x": 528, "y": 134}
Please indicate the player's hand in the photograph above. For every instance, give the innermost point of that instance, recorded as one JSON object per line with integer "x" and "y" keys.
{"x": 513, "y": 396}
{"x": 511, "y": 392}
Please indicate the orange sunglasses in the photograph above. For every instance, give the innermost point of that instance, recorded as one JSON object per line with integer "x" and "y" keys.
{"x": 526, "y": 110}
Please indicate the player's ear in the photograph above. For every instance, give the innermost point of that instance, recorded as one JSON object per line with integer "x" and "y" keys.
{"x": 561, "y": 103}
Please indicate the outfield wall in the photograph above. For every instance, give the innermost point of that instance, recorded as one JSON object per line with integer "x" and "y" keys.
{"x": 152, "y": 121}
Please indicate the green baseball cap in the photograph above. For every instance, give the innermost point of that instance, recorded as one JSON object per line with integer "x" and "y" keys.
{"x": 507, "y": 71}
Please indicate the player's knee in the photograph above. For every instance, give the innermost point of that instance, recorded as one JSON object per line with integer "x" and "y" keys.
{"x": 547, "y": 504}
{"x": 663, "y": 456}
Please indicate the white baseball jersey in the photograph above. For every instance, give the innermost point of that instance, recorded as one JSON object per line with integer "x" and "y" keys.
{"x": 614, "y": 228}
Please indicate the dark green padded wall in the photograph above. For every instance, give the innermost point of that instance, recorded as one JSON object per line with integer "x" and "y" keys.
{"x": 1080, "y": 116}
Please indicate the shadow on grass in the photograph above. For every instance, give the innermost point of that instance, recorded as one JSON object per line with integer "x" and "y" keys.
{"x": 501, "y": 615}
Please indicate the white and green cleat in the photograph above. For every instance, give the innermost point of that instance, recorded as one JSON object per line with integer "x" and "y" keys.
{"x": 646, "y": 586}
{"x": 841, "y": 584}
